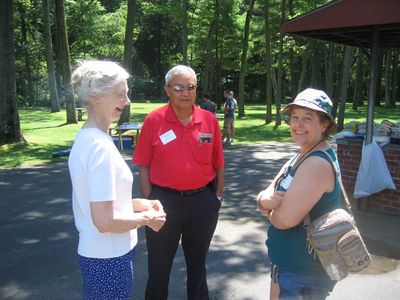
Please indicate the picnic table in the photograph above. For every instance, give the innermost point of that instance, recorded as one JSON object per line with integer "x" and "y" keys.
{"x": 80, "y": 112}
{"x": 123, "y": 128}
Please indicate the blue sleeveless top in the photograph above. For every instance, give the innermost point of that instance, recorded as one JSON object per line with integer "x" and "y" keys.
{"x": 287, "y": 248}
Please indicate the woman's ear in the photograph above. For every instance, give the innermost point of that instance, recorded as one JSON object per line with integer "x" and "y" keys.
{"x": 327, "y": 126}
{"x": 95, "y": 98}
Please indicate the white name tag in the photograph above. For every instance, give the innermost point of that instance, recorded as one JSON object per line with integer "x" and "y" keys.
{"x": 167, "y": 137}
{"x": 286, "y": 182}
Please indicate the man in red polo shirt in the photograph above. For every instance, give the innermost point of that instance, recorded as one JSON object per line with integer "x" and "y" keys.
{"x": 180, "y": 158}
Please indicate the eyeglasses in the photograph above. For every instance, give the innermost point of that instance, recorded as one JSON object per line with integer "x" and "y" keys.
{"x": 181, "y": 88}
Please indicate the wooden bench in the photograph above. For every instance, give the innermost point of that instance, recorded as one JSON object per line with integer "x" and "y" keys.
{"x": 80, "y": 112}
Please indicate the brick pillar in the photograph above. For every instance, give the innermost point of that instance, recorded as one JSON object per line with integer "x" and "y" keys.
{"x": 349, "y": 156}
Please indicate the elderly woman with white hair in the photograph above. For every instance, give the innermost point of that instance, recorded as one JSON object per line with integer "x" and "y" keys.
{"x": 104, "y": 211}
{"x": 306, "y": 186}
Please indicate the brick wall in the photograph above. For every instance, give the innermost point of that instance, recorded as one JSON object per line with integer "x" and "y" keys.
{"x": 349, "y": 155}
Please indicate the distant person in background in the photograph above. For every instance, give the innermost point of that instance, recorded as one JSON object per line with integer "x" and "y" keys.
{"x": 234, "y": 100}
{"x": 180, "y": 158}
{"x": 229, "y": 118}
{"x": 103, "y": 208}
{"x": 234, "y": 110}
{"x": 207, "y": 104}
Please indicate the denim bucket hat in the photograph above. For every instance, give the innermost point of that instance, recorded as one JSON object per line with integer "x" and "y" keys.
{"x": 312, "y": 99}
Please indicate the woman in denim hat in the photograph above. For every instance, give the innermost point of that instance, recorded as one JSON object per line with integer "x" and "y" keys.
{"x": 305, "y": 186}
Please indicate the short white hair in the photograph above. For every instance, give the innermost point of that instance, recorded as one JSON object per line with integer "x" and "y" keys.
{"x": 96, "y": 77}
{"x": 179, "y": 70}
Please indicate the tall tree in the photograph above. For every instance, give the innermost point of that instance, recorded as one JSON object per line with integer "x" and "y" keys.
{"x": 279, "y": 93}
{"x": 268, "y": 65}
{"x": 344, "y": 86}
{"x": 379, "y": 73}
{"x": 395, "y": 76}
{"x": 211, "y": 44}
{"x": 314, "y": 62}
{"x": 292, "y": 60}
{"x": 10, "y": 131}
{"x": 303, "y": 72}
{"x": 29, "y": 91}
{"x": 388, "y": 73}
{"x": 243, "y": 62}
{"x": 357, "y": 80}
{"x": 64, "y": 60}
{"x": 128, "y": 54}
{"x": 185, "y": 31}
{"x": 55, "y": 105}
{"x": 217, "y": 88}
{"x": 330, "y": 69}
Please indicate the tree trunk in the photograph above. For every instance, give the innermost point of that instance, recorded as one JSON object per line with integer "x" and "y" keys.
{"x": 395, "y": 77}
{"x": 357, "y": 81}
{"x": 348, "y": 57}
{"x": 330, "y": 69}
{"x": 185, "y": 31}
{"x": 302, "y": 79}
{"x": 314, "y": 64}
{"x": 292, "y": 59}
{"x": 218, "y": 89}
{"x": 128, "y": 56}
{"x": 55, "y": 106}
{"x": 206, "y": 81}
{"x": 29, "y": 92}
{"x": 60, "y": 91}
{"x": 279, "y": 93}
{"x": 63, "y": 58}
{"x": 388, "y": 59}
{"x": 243, "y": 63}
{"x": 378, "y": 93}
{"x": 268, "y": 59}
{"x": 10, "y": 130}
{"x": 336, "y": 100}
{"x": 212, "y": 33}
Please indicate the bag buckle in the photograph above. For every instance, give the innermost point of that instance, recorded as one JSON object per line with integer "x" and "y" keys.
{"x": 274, "y": 273}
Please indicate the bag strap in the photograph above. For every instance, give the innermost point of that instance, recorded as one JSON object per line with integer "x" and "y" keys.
{"x": 339, "y": 177}
{"x": 307, "y": 219}
{"x": 286, "y": 167}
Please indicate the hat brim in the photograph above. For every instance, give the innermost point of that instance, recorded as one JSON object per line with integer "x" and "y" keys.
{"x": 305, "y": 104}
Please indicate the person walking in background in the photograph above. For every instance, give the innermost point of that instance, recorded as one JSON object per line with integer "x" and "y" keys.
{"x": 103, "y": 208}
{"x": 207, "y": 104}
{"x": 305, "y": 186}
{"x": 234, "y": 110}
{"x": 180, "y": 158}
{"x": 229, "y": 118}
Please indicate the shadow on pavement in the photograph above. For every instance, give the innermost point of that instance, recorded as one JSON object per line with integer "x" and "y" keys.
{"x": 39, "y": 240}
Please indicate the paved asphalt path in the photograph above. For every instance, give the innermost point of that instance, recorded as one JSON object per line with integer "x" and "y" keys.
{"x": 38, "y": 237}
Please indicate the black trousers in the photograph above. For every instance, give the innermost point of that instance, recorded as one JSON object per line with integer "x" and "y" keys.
{"x": 192, "y": 218}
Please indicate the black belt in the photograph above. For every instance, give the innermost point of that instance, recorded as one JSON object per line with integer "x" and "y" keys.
{"x": 184, "y": 192}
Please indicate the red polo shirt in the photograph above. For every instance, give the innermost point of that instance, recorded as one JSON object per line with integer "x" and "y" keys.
{"x": 180, "y": 157}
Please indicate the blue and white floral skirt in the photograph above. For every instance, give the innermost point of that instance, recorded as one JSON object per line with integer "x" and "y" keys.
{"x": 107, "y": 278}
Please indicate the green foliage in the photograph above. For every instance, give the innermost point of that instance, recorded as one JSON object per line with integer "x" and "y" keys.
{"x": 29, "y": 52}
{"x": 96, "y": 29}
{"x": 93, "y": 32}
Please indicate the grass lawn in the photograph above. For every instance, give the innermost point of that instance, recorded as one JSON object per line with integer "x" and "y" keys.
{"x": 47, "y": 132}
